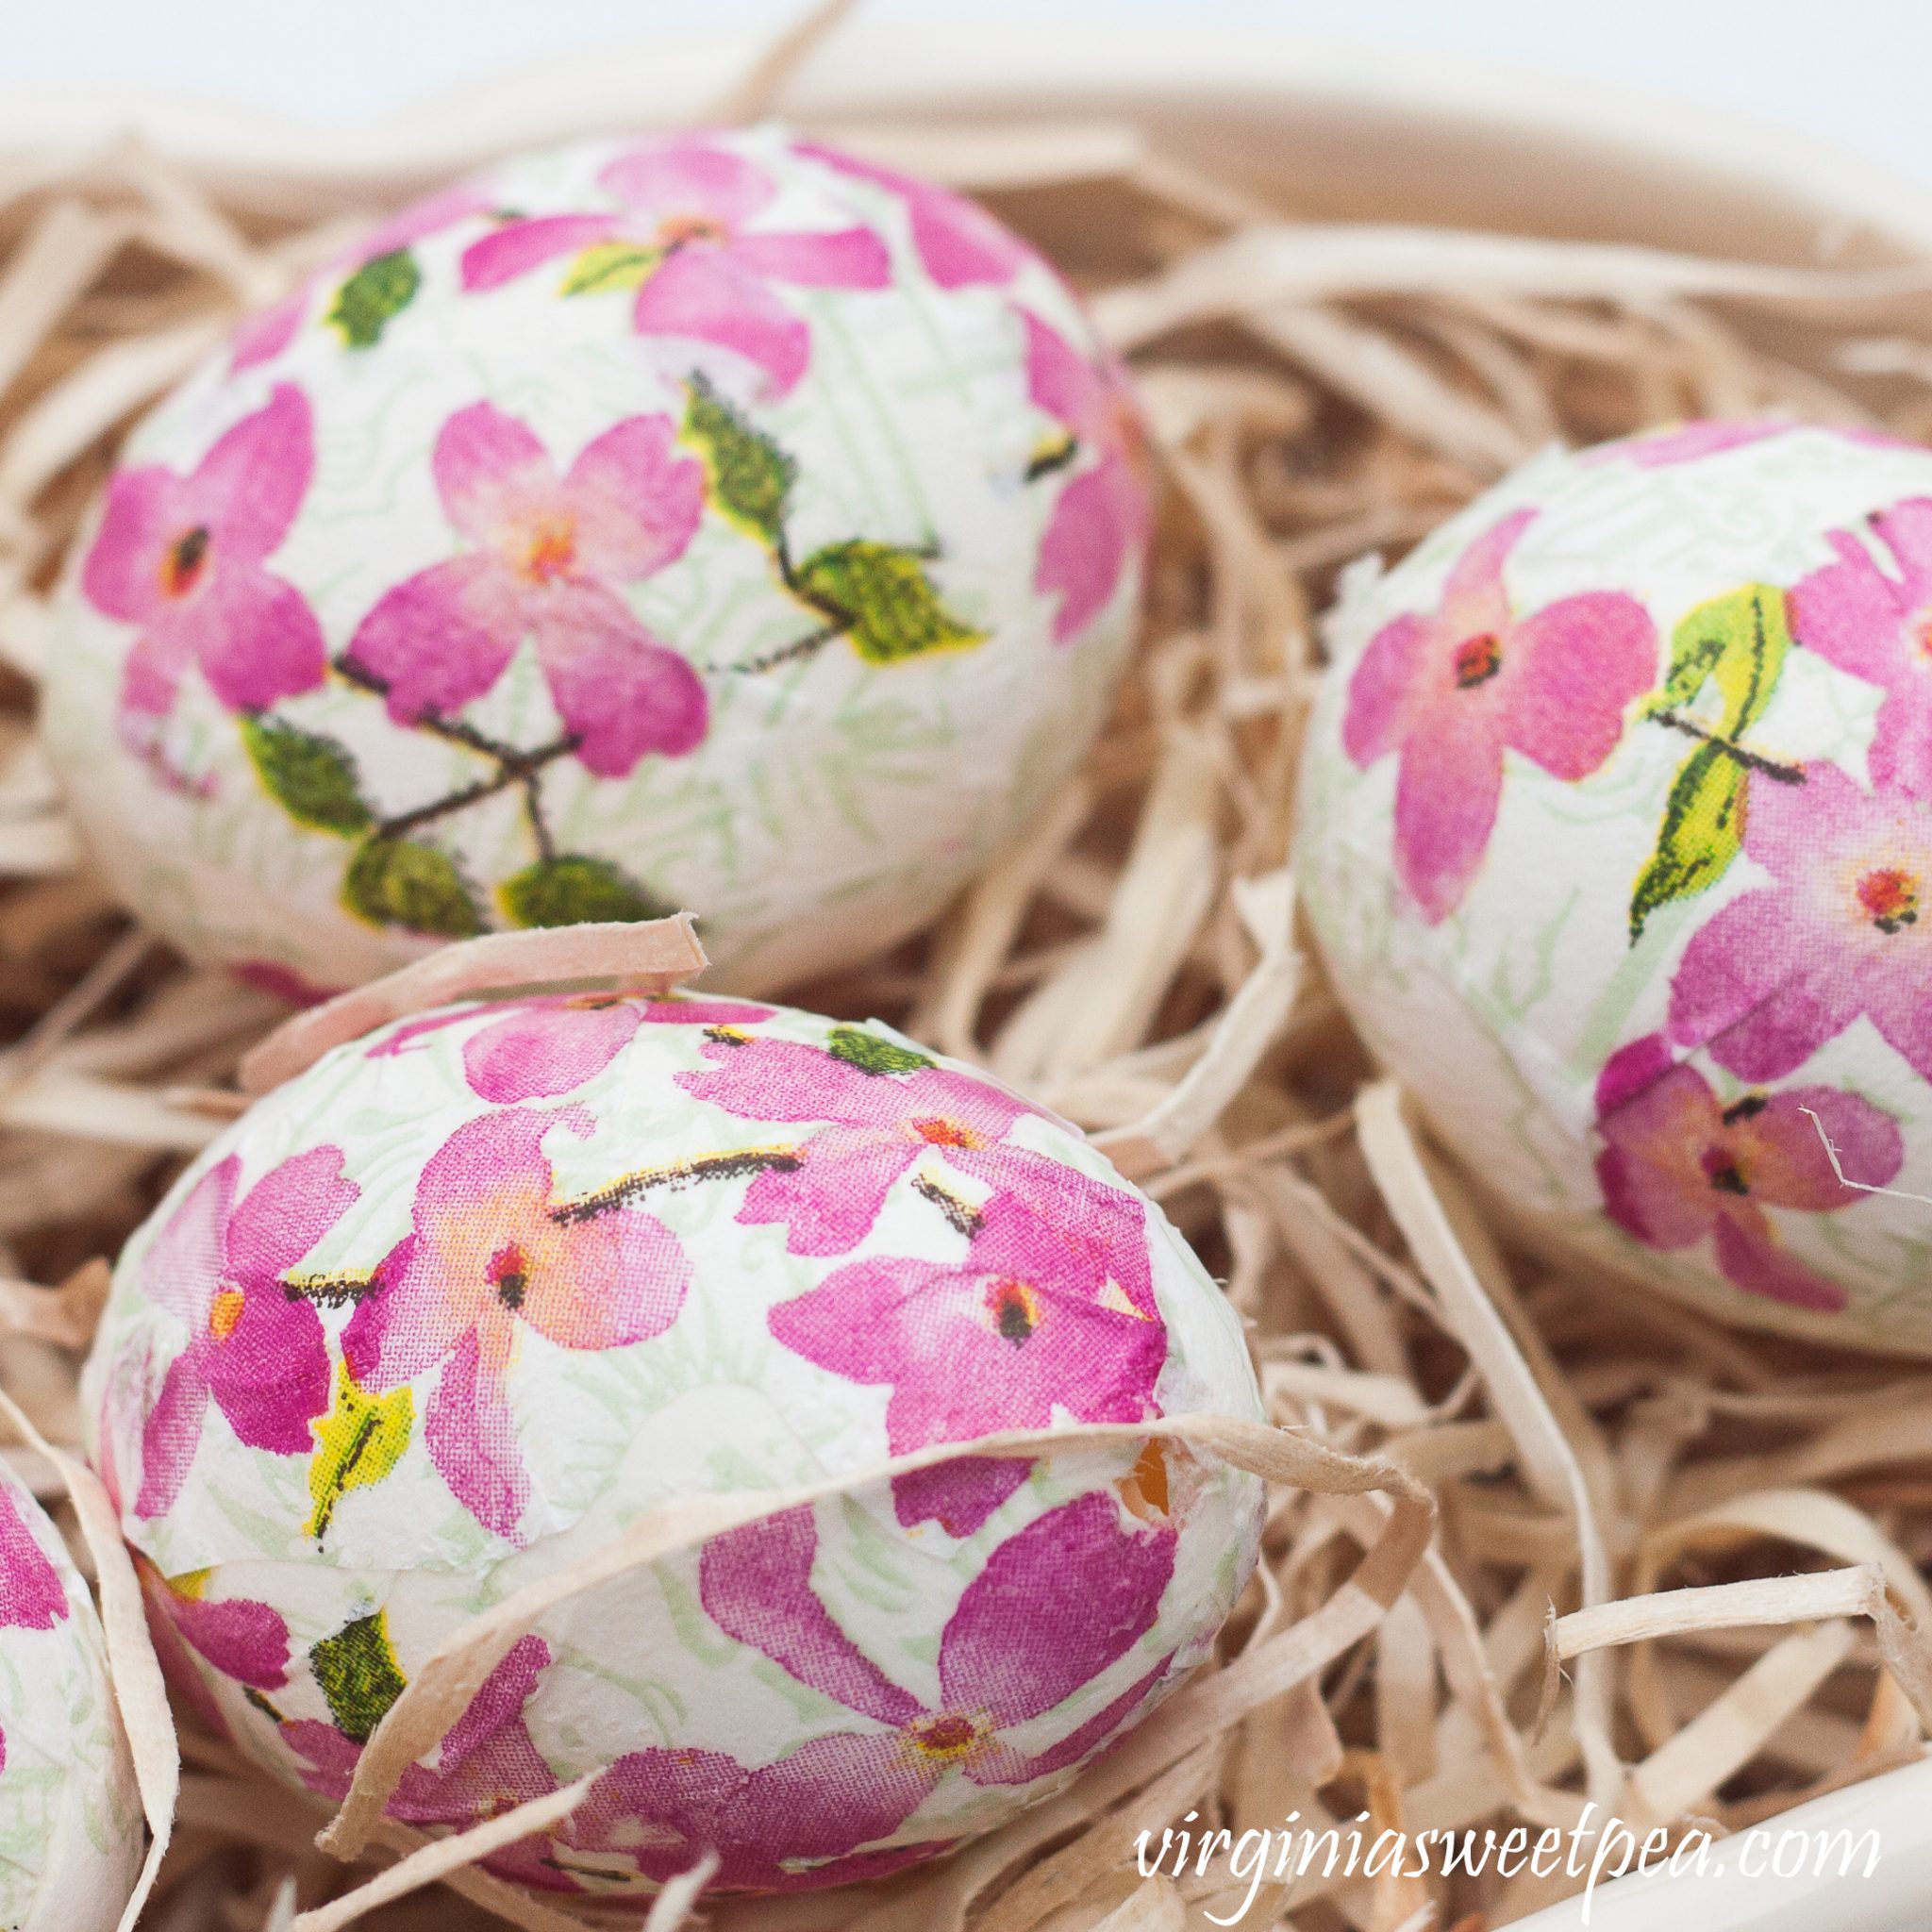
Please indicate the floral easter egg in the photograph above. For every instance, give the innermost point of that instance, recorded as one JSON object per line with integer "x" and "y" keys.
{"x": 711, "y": 520}
{"x": 1616, "y": 830}
{"x": 69, "y": 1818}
{"x": 458, "y": 1305}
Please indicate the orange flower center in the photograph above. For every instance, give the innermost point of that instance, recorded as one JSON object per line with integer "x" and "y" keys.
{"x": 224, "y": 1312}
{"x": 1144, "y": 1488}
{"x": 948, "y": 1736}
{"x": 676, "y": 231}
{"x": 551, "y": 549}
{"x": 937, "y": 1131}
{"x": 1477, "y": 659}
{"x": 1015, "y": 1310}
{"x": 185, "y": 562}
{"x": 1890, "y": 897}
{"x": 509, "y": 1275}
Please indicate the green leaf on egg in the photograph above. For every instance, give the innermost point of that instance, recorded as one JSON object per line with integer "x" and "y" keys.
{"x": 397, "y": 882}
{"x": 609, "y": 266}
{"x": 872, "y": 1053}
{"x": 885, "y": 599}
{"x": 357, "y": 1443}
{"x": 747, "y": 475}
{"x": 357, "y": 1672}
{"x": 1737, "y": 642}
{"x": 311, "y": 777}
{"x": 371, "y": 299}
{"x": 574, "y": 890}
{"x": 1703, "y": 830}
{"x": 1736, "y": 645}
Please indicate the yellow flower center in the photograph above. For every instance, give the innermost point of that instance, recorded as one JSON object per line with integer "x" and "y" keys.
{"x": 676, "y": 231}
{"x": 224, "y": 1312}
{"x": 948, "y": 1736}
{"x": 551, "y": 549}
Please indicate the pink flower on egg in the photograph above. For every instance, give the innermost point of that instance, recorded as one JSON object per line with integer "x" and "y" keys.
{"x": 487, "y": 1764}
{"x": 883, "y": 1110}
{"x": 1026, "y": 1324}
{"x": 253, "y": 1349}
{"x": 960, "y": 244}
{"x": 242, "y": 1639}
{"x": 1840, "y": 930}
{"x": 1101, "y": 522}
{"x": 553, "y": 1043}
{"x": 1677, "y": 1165}
{"x": 490, "y": 1258}
{"x": 545, "y": 561}
{"x": 1877, "y": 624}
{"x": 262, "y": 337}
{"x": 1450, "y": 691}
{"x": 184, "y": 559}
{"x": 1056, "y": 1605}
{"x": 695, "y": 206}
{"x": 32, "y": 1596}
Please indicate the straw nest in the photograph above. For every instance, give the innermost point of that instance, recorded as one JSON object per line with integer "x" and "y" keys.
{"x": 1675, "y": 1570}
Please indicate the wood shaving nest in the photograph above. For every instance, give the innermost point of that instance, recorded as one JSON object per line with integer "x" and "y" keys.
{"x": 1675, "y": 1568}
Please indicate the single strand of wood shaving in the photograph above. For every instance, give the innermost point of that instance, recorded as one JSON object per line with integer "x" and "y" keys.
{"x": 652, "y": 957}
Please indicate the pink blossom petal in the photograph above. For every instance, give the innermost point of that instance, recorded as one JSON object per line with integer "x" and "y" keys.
{"x": 1850, "y": 612}
{"x": 621, "y": 692}
{"x": 636, "y": 501}
{"x": 1062, "y": 381}
{"x": 269, "y": 1374}
{"x": 151, "y": 677}
{"x": 177, "y": 1665}
{"x": 286, "y": 1211}
{"x": 786, "y": 1080}
{"x": 829, "y": 1201}
{"x": 498, "y": 1703}
{"x": 1899, "y": 755}
{"x": 1630, "y": 1070}
{"x": 1580, "y": 663}
{"x": 702, "y": 295}
{"x": 827, "y": 1797}
{"x": 539, "y": 1051}
{"x": 1783, "y": 823}
{"x": 245, "y": 1641}
{"x": 471, "y": 1440}
{"x": 1473, "y": 599}
{"x": 1652, "y": 1171}
{"x": 146, "y": 511}
{"x": 1392, "y": 674}
{"x": 843, "y": 259}
{"x": 1094, "y": 526}
{"x": 251, "y": 482}
{"x": 262, "y": 337}
{"x": 1750, "y": 1259}
{"x": 260, "y": 642}
{"x": 487, "y": 464}
{"x": 957, "y": 1495}
{"x": 608, "y": 1281}
{"x": 1075, "y": 1572}
{"x": 1446, "y": 793}
{"x": 32, "y": 1596}
{"x": 1783, "y": 1153}
{"x": 756, "y": 1585}
{"x": 419, "y": 220}
{"x": 1691, "y": 441}
{"x": 442, "y": 637}
{"x": 171, "y": 1436}
{"x": 1006, "y": 1766}
{"x": 407, "y": 1324}
{"x": 1760, "y": 985}
{"x": 184, "y": 1263}
{"x": 518, "y": 247}
{"x": 688, "y": 176}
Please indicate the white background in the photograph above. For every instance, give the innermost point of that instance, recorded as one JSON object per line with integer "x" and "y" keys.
{"x": 1857, "y": 72}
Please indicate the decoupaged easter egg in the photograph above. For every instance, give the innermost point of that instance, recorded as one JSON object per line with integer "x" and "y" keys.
{"x": 69, "y": 1818}
{"x": 453, "y": 1308}
{"x": 1616, "y": 830}
{"x": 711, "y": 520}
